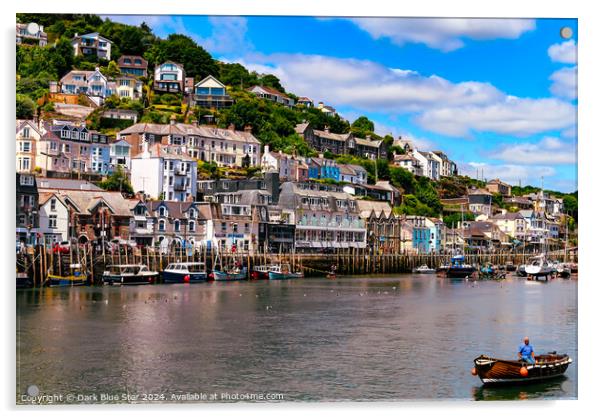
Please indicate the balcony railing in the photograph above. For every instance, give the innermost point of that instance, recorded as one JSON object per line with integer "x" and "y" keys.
{"x": 180, "y": 187}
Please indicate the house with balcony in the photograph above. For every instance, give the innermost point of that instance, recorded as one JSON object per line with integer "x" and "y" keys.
{"x": 305, "y": 101}
{"x": 164, "y": 172}
{"x": 226, "y": 147}
{"x": 92, "y": 44}
{"x": 27, "y": 221}
{"x": 273, "y": 95}
{"x": 119, "y": 155}
{"x": 513, "y": 224}
{"x": 31, "y": 34}
{"x": 128, "y": 86}
{"x": 133, "y": 65}
{"x": 369, "y": 148}
{"x": 169, "y": 78}
{"x": 430, "y": 163}
{"x": 447, "y": 167}
{"x": 177, "y": 224}
{"x": 90, "y": 83}
{"x": 324, "y": 219}
{"x": 210, "y": 93}
{"x": 410, "y": 163}
{"x": 28, "y": 136}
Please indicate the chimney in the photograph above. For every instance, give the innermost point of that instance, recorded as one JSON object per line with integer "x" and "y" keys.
{"x": 231, "y": 127}
{"x": 327, "y": 129}
{"x": 172, "y": 119}
{"x": 266, "y": 149}
{"x": 145, "y": 153}
{"x": 195, "y": 123}
{"x": 368, "y": 137}
{"x": 248, "y": 128}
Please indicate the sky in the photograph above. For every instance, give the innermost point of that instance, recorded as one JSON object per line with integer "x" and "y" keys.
{"x": 498, "y": 96}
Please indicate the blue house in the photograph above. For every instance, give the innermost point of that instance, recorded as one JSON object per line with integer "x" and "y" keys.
{"x": 421, "y": 233}
{"x": 435, "y": 226}
{"x": 321, "y": 168}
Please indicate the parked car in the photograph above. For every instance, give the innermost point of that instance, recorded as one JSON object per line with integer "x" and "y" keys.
{"x": 62, "y": 247}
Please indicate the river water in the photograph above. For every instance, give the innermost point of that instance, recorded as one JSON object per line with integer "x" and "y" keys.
{"x": 402, "y": 337}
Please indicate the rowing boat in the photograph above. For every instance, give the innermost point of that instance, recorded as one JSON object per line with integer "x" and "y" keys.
{"x": 493, "y": 371}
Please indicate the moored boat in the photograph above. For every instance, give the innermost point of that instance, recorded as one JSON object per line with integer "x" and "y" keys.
{"x": 283, "y": 271}
{"x": 510, "y": 266}
{"x": 76, "y": 278}
{"x": 261, "y": 272}
{"x": 494, "y": 371}
{"x": 459, "y": 269}
{"x": 563, "y": 270}
{"x": 23, "y": 280}
{"x": 129, "y": 275}
{"x": 423, "y": 269}
{"x": 230, "y": 274}
{"x": 539, "y": 267}
{"x": 521, "y": 271}
{"x": 184, "y": 272}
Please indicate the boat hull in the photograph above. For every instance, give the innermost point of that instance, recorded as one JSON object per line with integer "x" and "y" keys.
{"x": 459, "y": 272}
{"x": 424, "y": 271}
{"x": 129, "y": 279}
{"x": 179, "y": 277}
{"x": 66, "y": 281}
{"x": 260, "y": 275}
{"x": 494, "y": 371}
{"x": 227, "y": 276}
{"x": 280, "y": 275}
{"x": 23, "y": 281}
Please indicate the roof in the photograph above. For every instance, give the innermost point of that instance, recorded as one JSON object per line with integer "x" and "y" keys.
{"x": 368, "y": 143}
{"x": 210, "y": 78}
{"x": 190, "y": 129}
{"x": 165, "y": 152}
{"x": 508, "y": 216}
{"x": 71, "y": 184}
{"x": 85, "y": 201}
{"x": 268, "y": 90}
{"x": 331, "y": 135}
{"x": 300, "y": 128}
{"x": 497, "y": 181}
{"x": 144, "y": 63}
{"x": 68, "y": 78}
{"x": 175, "y": 209}
{"x": 92, "y": 35}
{"x": 304, "y": 99}
{"x": 366, "y": 207}
{"x": 351, "y": 169}
{"x": 479, "y": 191}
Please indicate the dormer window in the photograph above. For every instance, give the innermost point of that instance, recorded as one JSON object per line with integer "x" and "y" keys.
{"x": 162, "y": 212}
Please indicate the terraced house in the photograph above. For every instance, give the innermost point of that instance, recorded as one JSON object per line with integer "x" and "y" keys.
{"x": 226, "y": 147}
{"x": 324, "y": 219}
{"x": 177, "y": 225}
{"x": 211, "y": 93}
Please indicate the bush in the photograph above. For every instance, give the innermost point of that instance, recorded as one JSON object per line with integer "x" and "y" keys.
{"x": 26, "y": 107}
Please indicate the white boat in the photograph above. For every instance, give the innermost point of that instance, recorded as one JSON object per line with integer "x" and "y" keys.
{"x": 185, "y": 272}
{"x": 129, "y": 275}
{"x": 423, "y": 269}
{"x": 539, "y": 267}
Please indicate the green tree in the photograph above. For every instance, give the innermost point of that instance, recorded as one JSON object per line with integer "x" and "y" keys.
{"x": 181, "y": 49}
{"x": 117, "y": 181}
{"x": 362, "y": 126}
{"x": 402, "y": 178}
{"x": 272, "y": 81}
{"x": 26, "y": 107}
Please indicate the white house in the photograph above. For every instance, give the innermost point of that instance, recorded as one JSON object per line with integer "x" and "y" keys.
{"x": 272, "y": 94}
{"x": 353, "y": 173}
{"x": 92, "y": 44}
{"x": 90, "y": 83}
{"x": 164, "y": 172}
{"x": 169, "y": 78}
{"x": 119, "y": 155}
{"x": 54, "y": 218}
{"x": 280, "y": 162}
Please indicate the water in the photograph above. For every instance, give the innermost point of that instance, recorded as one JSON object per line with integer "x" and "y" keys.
{"x": 402, "y": 337}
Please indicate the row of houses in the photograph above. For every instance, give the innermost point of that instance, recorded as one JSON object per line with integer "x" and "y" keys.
{"x": 432, "y": 164}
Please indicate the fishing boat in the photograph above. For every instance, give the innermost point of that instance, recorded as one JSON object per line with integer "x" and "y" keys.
{"x": 494, "y": 371}
{"x": 261, "y": 272}
{"x": 459, "y": 269}
{"x": 129, "y": 275}
{"x": 77, "y": 277}
{"x": 423, "y": 269}
{"x": 283, "y": 271}
{"x": 234, "y": 273}
{"x": 539, "y": 267}
{"x": 184, "y": 272}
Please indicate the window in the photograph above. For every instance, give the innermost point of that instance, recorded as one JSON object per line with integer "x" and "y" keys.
{"x": 52, "y": 219}
{"x": 53, "y": 204}
{"x": 66, "y": 148}
{"x": 53, "y": 146}
{"x": 191, "y": 226}
{"x": 162, "y": 212}
{"x": 27, "y": 180}
{"x": 161, "y": 225}
{"x": 25, "y": 146}
{"x": 176, "y": 225}
{"x": 191, "y": 213}
{"x": 24, "y": 163}
{"x": 26, "y": 132}
{"x": 223, "y": 226}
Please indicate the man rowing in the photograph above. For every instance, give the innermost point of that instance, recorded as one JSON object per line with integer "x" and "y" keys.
{"x": 525, "y": 352}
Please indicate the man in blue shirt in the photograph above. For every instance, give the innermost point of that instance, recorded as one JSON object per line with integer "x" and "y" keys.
{"x": 525, "y": 352}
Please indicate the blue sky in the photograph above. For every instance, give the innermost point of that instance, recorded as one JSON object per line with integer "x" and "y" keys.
{"x": 494, "y": 94}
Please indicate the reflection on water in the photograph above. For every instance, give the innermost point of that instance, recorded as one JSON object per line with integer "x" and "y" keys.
{"x": 381, "y": 338}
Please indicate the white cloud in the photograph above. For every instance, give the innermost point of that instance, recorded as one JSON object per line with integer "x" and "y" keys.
{"x": 512, "y": 115}
{"x": 367, "y": 85}
{"x": 564, "y": 83}
{"x": 228, "y": 35}
{"x": 443, "y": 34}
{"x": 511, "y": 173}
{"x": 564, "y": 53}
{"x": 549, "y": 150}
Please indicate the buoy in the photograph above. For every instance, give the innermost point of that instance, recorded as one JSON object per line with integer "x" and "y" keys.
{"x": 473, "y": 371}
{"x": 524, "y": 372}
{"x": 187, "y": 279}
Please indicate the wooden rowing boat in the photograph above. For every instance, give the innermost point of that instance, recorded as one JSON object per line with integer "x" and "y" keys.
{"x": 493, "y": 371}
